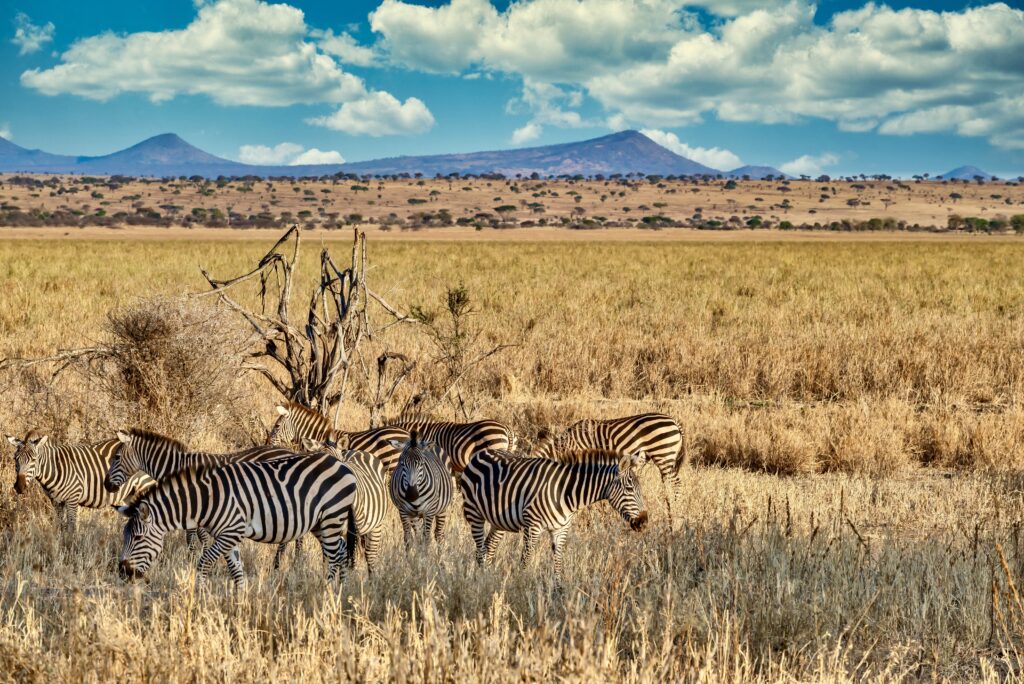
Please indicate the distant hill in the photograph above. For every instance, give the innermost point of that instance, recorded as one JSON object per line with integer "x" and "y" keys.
{"x": 965, "y": 173}
{"x": 168, "y": 155}
{"x": 623, "y": 152}
{"x": 756, "y": 172}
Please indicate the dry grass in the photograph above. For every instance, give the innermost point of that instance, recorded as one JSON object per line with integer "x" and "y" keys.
{"x": 883, "y": 380}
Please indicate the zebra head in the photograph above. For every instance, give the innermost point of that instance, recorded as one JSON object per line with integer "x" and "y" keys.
{"x": 26, "y": 457}
{"x": 143, "y": 539}
{"x": 624, "y": 494}
{"x": 412, "y": 473}
{"x": 546, "y": 445}
{"x": 284, "y": 430}
{"x": 126, "y": 462}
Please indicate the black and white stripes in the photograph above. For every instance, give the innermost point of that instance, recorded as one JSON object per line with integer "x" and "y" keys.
{"x": 421, "y": 488}
{"x": 533, "y": 495}
{"x": 270, "y": 501}
{"x": 458, "y": 442}
{"x": 72, "y": 476}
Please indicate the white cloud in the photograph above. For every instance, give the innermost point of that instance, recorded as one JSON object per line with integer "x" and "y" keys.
{"x": 238, "y": 52}
{"x": 527, "y": 133}
{"x": 287, "y": 154}
{"x": 315, "y": 156}
{"x": 5, "y": 131}
{"x": 655, "y": 63}
{"x": 809, "y": 165}
{"x": 715, "y": 157}
{"x": 377, "y": 114}
{"x": 346, "y": 48}
{"x": 31, "y": 37}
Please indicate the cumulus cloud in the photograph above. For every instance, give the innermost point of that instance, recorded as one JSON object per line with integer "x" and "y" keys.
{"x": 379, "y": 113}
{"x": 346, "y": 48}
{"x": 238, "y": 52}
{"x": 527, "y": 133}
{"x": 809, "y": 165}
{"x": 658, "y": 64}
{"x": 5, "y": 131}
{"x": 715, "y": 157}
{"x": 287, "y": 154}
{"x": 31, "y": 37}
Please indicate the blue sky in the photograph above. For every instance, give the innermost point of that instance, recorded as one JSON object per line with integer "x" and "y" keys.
{"x": 837, "y": 87}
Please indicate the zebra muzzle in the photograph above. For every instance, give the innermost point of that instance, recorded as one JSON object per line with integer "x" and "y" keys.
{"x": 127, "y": 571}
{"x": 20, "y": 484}
{"x": 412, "y": 493}
{"x": 639, "y": 523}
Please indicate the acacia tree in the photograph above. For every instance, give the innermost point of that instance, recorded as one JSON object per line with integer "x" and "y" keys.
{"x": 312, "y": 356}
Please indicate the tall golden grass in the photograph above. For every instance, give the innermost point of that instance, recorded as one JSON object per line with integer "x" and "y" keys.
{"x": 853, "y": 426}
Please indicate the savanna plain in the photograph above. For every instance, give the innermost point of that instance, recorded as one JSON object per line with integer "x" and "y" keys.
{"x": 851, "y": 497}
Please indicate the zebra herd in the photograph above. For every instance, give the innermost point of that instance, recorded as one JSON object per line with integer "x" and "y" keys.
{"x": 338, "y": 486}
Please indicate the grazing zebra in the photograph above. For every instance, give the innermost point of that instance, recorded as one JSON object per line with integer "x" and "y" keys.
{"x": 655, "y": 434}
{"x": 267, "y": 501}
{"x": 156, "y": 456}
{"x": 71, "y": 476}
{"x": 421, "y": 487}
{"x": 459, "y": 441}
{"x": 296, "y": 422}
{"x": 531, "y": 495}
{"x": 371, "y": 504}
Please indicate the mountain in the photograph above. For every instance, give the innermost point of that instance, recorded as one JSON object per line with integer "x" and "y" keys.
{"x": 756, "y": 172}
{"x": 623, "y": 152}
{"x": 168, "y": 155}
{"x": 965, "y": 173}
{"x": 16, "y": 158}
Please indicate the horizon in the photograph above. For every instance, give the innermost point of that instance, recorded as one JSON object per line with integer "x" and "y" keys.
{"x": 838, "y": 88}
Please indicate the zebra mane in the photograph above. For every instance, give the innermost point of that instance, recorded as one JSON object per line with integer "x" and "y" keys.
{"x": 156, "y": 436}
{"x": 321, "y": 419}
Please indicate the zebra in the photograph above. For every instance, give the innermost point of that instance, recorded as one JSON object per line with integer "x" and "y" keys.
{"x": 657, "y": 434}
{"x": 371, "y": 504}
{"x": 141, "y": 451}
{"x": 71, "y": 476}
{"x": 459, "y": 441}
{"x": 531, "y": 495}
{"x": 421, "y": 487}
{"x": 273, "y": 502}
{"x": 296, "y": 422}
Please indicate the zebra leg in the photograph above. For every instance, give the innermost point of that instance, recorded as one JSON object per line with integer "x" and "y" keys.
{"x": 476, "y": 528}
{"x": 234, "y": 561}
{"x": 60, "y": 511}
{"x": 494, "y": 537}
{"x": 333, "y": 546}
{"x": 71, "y": 518}
{"x": 192, "y": 538}
{"x": 531, "y": 535}
{"x": 371, "y": 547}
{"x": 439, "y": 523}
{"x": 279, "y": 554}
{"x": 670, "y": 487}
{"x": 224, "y": 542}
{"x": 558, "y": 537}
{"x": 298, "y": 548}
{"x": 407, "y": 528}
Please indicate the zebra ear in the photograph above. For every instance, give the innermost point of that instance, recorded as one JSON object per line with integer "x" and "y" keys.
{"x": 544, "y": 435}
{"x": 397, "y": 444}
{"x": 40, "y": 441}
{"x": 123, "y": 436}
{"x": 124, "y": 510}
{"x": 143, "y": 510}
{"x": 311, "y": 444}
{"x": 15, "y": 441}
{"x": 639, "y": 459}
{"x": 281, "y": 410}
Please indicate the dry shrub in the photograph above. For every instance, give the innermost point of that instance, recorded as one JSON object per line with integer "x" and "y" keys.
{"x": 866, "y": 438}
{"x": 175, "y": 366}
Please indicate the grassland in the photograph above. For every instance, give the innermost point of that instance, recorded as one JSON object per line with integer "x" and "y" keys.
{"x": 404, "y": 204}
{"x": 851, "y": 503}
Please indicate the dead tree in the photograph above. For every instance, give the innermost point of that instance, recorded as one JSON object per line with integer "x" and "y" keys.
{"x": 312, "y": 358}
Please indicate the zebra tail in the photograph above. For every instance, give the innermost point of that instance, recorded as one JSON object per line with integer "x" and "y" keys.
{"x": 351, "y": 540}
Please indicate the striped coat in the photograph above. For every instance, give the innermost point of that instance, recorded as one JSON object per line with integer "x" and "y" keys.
{"x": 296, "y": 422}
{"x": 534, "y": 495}
{"x": 656, "y": 434}
{"x": 72, "y": 476}
{"x": 421, "y": 488}
{"x": 459, "y": 441}
{"x": 270, "y": 501}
